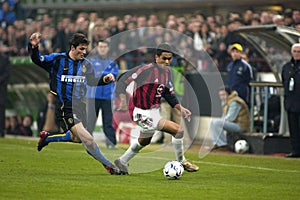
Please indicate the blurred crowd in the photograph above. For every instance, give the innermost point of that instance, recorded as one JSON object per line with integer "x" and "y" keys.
{"x": 19, "y": 125}
{"x": 211, "y": 34}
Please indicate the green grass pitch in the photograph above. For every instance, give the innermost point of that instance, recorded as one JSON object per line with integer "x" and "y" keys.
{"x": 65, "y": 171}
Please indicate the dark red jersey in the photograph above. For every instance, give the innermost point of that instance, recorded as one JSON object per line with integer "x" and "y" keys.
{"x": 151, "y": 84}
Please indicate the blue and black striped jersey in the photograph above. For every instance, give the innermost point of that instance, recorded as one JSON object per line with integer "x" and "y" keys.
{"x": 68, "y": 78}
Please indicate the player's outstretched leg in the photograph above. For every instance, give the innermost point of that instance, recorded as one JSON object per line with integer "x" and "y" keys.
{"x": 110, "y": 168}
{"x": 46, "y": 138}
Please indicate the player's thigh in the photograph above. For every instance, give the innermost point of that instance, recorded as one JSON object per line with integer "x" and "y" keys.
{"x": 169, "y": 127}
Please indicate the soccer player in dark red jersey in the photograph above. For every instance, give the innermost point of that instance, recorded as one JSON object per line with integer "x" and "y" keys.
{"x": 152, "y": 82}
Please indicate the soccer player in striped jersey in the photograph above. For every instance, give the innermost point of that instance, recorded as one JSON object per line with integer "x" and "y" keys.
{"x": 152, "y": 82}
{"x": 69, "y": 73}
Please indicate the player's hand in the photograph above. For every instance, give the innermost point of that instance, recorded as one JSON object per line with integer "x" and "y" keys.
{"x": 108, "y": 78}
{"x": 186, "y": 113}
{"x": 35, "y": 39}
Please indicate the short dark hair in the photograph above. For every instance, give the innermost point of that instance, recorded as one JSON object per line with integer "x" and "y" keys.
{"x": 30, "y": 117}
{"x": 77, "y": 39}
{"x": 103, "y": 41}
{"x": 163, "y": 47}
{"x": 226, "y": 89}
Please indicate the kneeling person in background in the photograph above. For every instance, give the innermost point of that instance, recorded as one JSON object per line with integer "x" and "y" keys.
{"x": 235, "y": 119}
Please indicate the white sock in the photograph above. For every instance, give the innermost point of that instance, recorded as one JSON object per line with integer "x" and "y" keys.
{"x": 134, "y": 148}
{"x": 178, "y": 148}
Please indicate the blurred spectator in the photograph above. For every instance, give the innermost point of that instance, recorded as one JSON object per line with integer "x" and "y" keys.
{"x": 128, "y": 45}
{"x": 93, "y": 17}
{"x": 12, "y": 40}
{"x": 278, "y": 20}
{"x": 296, "y": 16}
{"x": 255, "y": 21}
{"x": 265, "y": 18}
{"x": 18, "y": 9}
{"x": 25, "y": 128}
{"x": 222, "y": 58}
{"x": 288, "y": 17}
{"x": 7, "y": 16}
{"x": 112, "y": 23}
{"x": 14, "y": 126}
{"x": 21, "y": 37}
{"x": 247, "y": 17}
{"x": 297, "y": 26}
{"x": 48, "y": 39}
{"x": 63, "y": 35}
{"x": 4, "y": 78}
{"x": 211, "y": 32}
{"x": 82, "y": 23}
{"x": 152, "y": 20}
{"x": 232, "y": 37}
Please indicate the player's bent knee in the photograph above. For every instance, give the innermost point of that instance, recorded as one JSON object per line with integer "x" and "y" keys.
{"x": 144, "y": 141}
{"x": 179, "y": 134}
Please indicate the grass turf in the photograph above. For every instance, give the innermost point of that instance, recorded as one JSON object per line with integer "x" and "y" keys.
{"x": 65, "y": 171}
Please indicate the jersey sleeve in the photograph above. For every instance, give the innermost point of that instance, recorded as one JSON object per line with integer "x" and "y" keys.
{"x": 169, "y": 94}
{"x": 44, "y": 61}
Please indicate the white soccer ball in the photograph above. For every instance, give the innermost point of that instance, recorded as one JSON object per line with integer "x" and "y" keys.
{"x": 241, "y": 146}
{"x": 173, "y": 170}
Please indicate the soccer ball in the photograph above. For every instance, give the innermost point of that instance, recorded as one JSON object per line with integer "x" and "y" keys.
{"x": 173, "y": 170}
{"x": 241, "y": 146}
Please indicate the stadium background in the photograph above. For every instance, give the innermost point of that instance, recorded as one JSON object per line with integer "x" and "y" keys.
{"x": 28, "y": 84}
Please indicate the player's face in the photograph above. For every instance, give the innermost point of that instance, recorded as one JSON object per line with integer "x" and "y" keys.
{"x": 164, "y": 60}
{"x": 78, "y": 52}
{"x": 102, "y": 49}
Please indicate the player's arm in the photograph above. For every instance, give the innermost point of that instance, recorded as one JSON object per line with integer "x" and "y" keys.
{"x": 33, "y": 50}
{"x": 174, "y": 103}
{"x": 103, "y": 80}
{"x": 184, "y": 111}
{"x": 171, "y": 98}
{"x": 92, "y": 80}
{"x": 114, "y": 69}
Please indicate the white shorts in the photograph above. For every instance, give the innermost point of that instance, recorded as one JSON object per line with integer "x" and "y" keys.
{"x": 147, "y": 119}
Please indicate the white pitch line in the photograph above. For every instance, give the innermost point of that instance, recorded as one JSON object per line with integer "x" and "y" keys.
{"x": 230, "y": 165}
{"x": 217, "y": 164}
{"x": 248, "y": 167}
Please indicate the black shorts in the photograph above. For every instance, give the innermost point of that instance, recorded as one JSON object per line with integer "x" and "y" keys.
{"x": 71, "y": 113}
